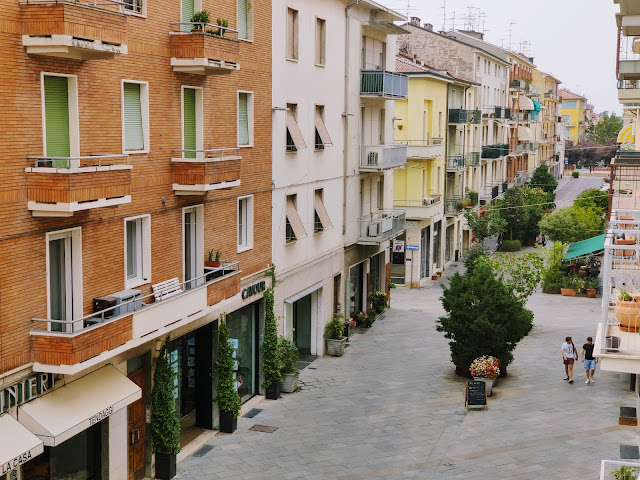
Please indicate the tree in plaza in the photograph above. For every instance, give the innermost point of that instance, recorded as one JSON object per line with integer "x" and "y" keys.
{"x": 545, "y": 180}
{"x": 521, "y": 209}
{"x": 593, "y": 198}
{"x": 606, "y": 130}
{"x": 572, "y": 224}
{"x": 484, "y": 317}
{"x": 522, "y": 273}
{"x": 484, "y": 224}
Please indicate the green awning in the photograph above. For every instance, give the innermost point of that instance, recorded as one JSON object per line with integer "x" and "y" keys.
{"x": 585, "y": 247}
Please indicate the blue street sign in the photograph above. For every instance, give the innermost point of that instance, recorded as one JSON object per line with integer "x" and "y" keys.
{"x": 411, "y": 247}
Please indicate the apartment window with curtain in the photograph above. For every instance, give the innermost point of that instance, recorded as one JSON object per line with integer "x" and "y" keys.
{"x": 245, "y": 19}
{"x": 245, "y": 223}
{"x": 295, "y": 140}
{"x": 135, "y": 116}
{"x": 245, "y": 119}
{"x": 292, "y": 34}
{"x": 137, "y": 251}
{"x": 321, "y": 39}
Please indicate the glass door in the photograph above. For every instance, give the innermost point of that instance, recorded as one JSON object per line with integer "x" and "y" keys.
{"x": 424, "y": 252}
{"x": 60, "y": 282}
{"x": 190, "y": 235}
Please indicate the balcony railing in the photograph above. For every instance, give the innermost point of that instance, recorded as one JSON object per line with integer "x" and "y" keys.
{"x": 455, "y": 162}
{"x": 380, "y": 83}
{"x": 381, "y": 226}
{"x": 459, "y": 115}
{"x": 554, "y": 97}
{"x": 452, "y": 205}
{"x": 495, "y": 151}
{"x": 628, "y": 67}
{"x": 473, "y": 158}
{"x": 80, "y": 30}
{"x": 204, "y": 48}
{"x": 69, "y": 342}
{"x": 425, "y": 207}
{"x": 381, "y": 157}
{"x": 211, "y": 169}
{"x": 430, "y": 148}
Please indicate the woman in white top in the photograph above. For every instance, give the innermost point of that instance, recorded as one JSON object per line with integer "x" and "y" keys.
{"x": 569, "y": 354}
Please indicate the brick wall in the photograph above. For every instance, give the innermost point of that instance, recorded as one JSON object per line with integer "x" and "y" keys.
{"x": 22, "y": 236}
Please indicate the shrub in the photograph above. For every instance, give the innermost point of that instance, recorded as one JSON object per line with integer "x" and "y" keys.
{"x": 334, "y": 328}
{"x": 555, "y": 270}
{"x": 379, "y": 301}
{"x": 575, "y": 174}
{"x": 289, "y": 355}
{"x": 224, "y": 368}
{"x": 271, "y": 358}
{"x": 511, "y": 245}
{"x": 165, "y": 426}
{"x": 469, "y": 259}
{"x": 368, "y": 319}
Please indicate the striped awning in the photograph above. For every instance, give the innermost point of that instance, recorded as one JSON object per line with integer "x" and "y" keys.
{"x": 627, "y": 135}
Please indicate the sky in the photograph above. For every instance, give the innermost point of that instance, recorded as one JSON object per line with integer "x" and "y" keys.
{"x": 574, "y": 40}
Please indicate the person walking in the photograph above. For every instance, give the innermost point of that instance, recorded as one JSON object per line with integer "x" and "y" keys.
{"x": 569, "y": 355}
{"x": 589, "y": 361}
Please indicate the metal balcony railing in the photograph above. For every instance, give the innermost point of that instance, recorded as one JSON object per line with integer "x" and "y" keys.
{"x": 381, "y": 83}
{"x": 460, "y": 115}
{"x": 495, "y": 151}
{"x": 452, "y": 205}
{"x": 473, "y": 158}
{"x": 81, "y": 162}
{"x": 551, "y": 96}
{"x": 455, "y": 162}
{"x": 381, "y": 226}
{"x": 382, "y": 157}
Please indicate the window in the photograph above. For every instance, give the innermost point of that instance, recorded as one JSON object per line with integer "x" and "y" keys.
{"x": 137, "y": 7}
{"x": 321, "y": 217}
{"x": 135, "y": 116}
{"x": 192, "y": 130}
{"x": 294, "y": 226}
{"x": 188, "y": 8}
{"x": 380, "y": 193}
{"x": 295, "y": 140}
{"x": 245, "y": 223}
{"x": 60, "y": 119}
{"x": 320, "y": 41}
{"x": 322, "y": 134}
{"x": 569, "y": 104}
{"x": 137, "y": 244}
{"x": 193, "y": 250}
{"x": 245, "y": 19}
{"x": 64, "y": 279}
{"x": 292, "y": 34}
{"x": 245, "y": 119}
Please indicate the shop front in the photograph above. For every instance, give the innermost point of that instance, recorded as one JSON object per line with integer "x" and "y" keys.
{"x": 244, "y": 327}
{"x": 303, "y": 322}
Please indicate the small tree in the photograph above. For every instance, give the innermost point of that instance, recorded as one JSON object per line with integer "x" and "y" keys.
{"x": 165, "y": 425}
{"x": 593, "y": 198}
{"x": 606, "y": 130}
{"x": 572, "y": 224}
{"x": 521, "y": 273}
{"x": 472, "y": 255}
{"x": 485, "y": 225}
{"x": 227, "y": 398}
{"x": 484, "y": 317}
{"x": 544, "y": 179}
{"x": 271, "y": 365}
{"x": 552, "y": 275}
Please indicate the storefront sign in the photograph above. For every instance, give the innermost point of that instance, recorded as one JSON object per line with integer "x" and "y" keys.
{"x": 25, "y": 391}
{"x": 15, "y": 463}
{"x": 253, "y": 289}
{"x": 98, "y": 417}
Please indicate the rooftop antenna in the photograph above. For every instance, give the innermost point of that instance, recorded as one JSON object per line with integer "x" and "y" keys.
{"x": 444, "y": 15}
{"x": 510, "y": 34}
{"x": 483, "y": 17}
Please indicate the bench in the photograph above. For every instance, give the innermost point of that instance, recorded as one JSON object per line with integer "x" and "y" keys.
{"x": 166, "y": 289}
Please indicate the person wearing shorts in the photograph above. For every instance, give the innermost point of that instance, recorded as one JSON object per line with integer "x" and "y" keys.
{"x": 569, "y": 355}
{"x": 589, "y": 360}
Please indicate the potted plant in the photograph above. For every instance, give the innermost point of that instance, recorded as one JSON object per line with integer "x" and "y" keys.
{"x": 566, "y": 286}
{"x": 224, "y": 368}
{"x": 271, "y": 357}
{"x": 224, "y": 24}
{"x": 165, "y": 425}
{"x": 288, "y": 358}
{"x": 213, "y": 261}
{"x": 627, "y": 312}
{"x": 379, "y": 301}
{"x": 333, "y": 335}
{"x": 591, "y": 284}
{"x": 368, "y": 319}
{"x": 625, "y": 472}
{"x": 201, "y": 18}
{"x": 485, "y": 369}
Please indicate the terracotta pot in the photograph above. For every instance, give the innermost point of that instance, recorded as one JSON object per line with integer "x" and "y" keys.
{"x": 591, "y": 292}
{"x": 628, "y": 315}
{"x": 434, "y": 277}
{"x": 568, "y": 292}
{"x": 212, "y": 263}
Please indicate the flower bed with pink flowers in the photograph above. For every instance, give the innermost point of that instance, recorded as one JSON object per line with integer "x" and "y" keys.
{"x": 485, "y": 366}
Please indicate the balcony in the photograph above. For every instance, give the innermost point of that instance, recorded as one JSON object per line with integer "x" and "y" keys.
{"x": 452, "y": 205}
{"x": 423, "y": 208}
{"x": 629, "y": 91}
{"x": 552, "y": 97}
{"x": 459, "y": 115}
{"x": 203, "y": 49}
{"x": 74, "y": 29}
{"x": 489, "y": 191}
{"x": 628, "y": 67}
{"x": 473, "y": 159}
{"x": 107, "y": 333}
{"x": 381, "y": 226}
{"x": 383, "y": 84}
{"x": 423, "y": 149}
{"x": 374, "y": 158}
{"x": 455, "y": 162}
{"x": 495, "y": 151}
{"x": 211, "y": 169}
{"x": 60, "y": 186}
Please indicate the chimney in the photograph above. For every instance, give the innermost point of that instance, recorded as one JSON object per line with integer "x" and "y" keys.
{"x": 415, "y": 21}
{"x": 428, "y": 26}
{"x": 531, "y": 59}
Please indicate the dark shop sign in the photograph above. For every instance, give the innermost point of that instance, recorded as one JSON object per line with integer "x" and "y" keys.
{"x": 253, "y": 289}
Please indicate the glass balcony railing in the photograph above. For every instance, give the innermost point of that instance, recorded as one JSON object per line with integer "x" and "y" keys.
{"x": 380, "y": 83}
{"x": 382, "y": 157}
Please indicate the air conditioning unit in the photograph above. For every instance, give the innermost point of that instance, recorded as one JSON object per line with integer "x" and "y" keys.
{"x": 102, "y": 303}
{"x": 426, "y": 201}
{"x": 374, "y": 230}
{"x": 125, "y": 296}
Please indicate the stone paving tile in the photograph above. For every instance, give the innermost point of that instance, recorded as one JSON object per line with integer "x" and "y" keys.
{"x": 393, "y": 408}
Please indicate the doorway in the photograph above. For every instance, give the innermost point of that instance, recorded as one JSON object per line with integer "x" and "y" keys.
{"x": 61, "y": 281}
{"x": 302, "y": 324}
{"x": 354, "y": 290}
{"x": 425, "y": 235}
{"x": 136, "y": 421}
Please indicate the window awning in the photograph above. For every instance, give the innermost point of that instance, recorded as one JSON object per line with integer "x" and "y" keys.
{"x": 322, "y": 130}
{"x": 17, "y": 444}
{"x": 323, "y": 215}
{"x": 525, "y": 103}
{"x": 294, "y": 219}
{"x": 585, "y": 247}
{"x": 626, "y": 135}
{"x": 294, "y": 131}
{"x": 536, "y": 105}
{"x": 525, "y": 134}
{"x": 67, "y": 411}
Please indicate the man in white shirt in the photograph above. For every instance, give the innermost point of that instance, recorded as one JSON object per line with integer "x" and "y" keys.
{"x": 569, "y": 355}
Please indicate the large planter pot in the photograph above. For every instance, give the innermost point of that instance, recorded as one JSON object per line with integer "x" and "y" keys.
{"x": 494, "y": 380}
{"x": 273, "y": 391}
{"x": 228, "y": 422}
{"x": 568, "y": 292}
{"x": 628, "y": 315}
{"x": 290, "y": 383}
{"x": 335, "y": 347}
{"x": 488, "y": 382}
{"x": 165, "y": 465}
{"x": 591, "y": 292}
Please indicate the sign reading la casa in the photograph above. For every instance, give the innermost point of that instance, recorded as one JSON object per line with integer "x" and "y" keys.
{"x": 16, "y": 462}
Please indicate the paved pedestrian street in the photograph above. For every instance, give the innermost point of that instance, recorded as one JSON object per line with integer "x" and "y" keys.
{"x": 392, "y": 407}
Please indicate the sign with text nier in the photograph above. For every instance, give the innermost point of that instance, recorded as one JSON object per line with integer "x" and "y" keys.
{"x": 411, "y": 247}
{"x": 476, "y": 394}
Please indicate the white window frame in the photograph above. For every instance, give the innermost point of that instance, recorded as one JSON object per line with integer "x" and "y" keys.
{"x": 144, "y": 108}
{"x": 199, "y": 119}
{"x": 142, "y": 13}
{"x": 249, "y": 22}
{"x": 249, "y": 225}
{"x": 144, "y": 262}
{"x": 323, "y": 46}
{"x": 199, "y": 209}
{"x": 74, "y": 116}
{"x": 76, "y": 272}
{"x": 249, "y": 94}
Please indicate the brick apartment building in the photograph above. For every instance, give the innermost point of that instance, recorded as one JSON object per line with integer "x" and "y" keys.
{"x": 131, "y": 147}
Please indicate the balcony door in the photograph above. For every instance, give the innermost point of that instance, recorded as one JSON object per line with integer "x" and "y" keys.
{"x": 373, "y": 126}
{"x": 56, "y": 113}
{"x": 187, "y": 9}
{"x": 61, "y": 281}
{"x": 193, "y": 230}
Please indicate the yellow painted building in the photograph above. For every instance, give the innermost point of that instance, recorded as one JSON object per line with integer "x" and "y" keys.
{"x": 572, "y": 111}
{"x": 550, "y": 131}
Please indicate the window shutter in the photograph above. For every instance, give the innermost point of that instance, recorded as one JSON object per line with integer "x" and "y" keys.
{"x": 243, "y": 119}
{"x": 322, "y": 129}
{"x": 188, "y": 10}
{"x": 133, "y": 134}
{"x": 321, "y": 211}
{"x": 242, "y": 19}
{"x": 294, "y": 130}
{"x": 56, "y": 110}
{"x": 290, "y": 33}
{"x": 189, "y": 122}
{"x": 294, "y": 219}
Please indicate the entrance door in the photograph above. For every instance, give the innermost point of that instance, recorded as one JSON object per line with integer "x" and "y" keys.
{"x": 424, "y": 252}
{"x": 354, "y": 290}
{"x": 136, "y": 419}
{"x": 302, "y": 324}
{"x": 60, "y": 281}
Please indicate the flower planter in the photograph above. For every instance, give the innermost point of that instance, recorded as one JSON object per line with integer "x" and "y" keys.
{"x": 488, "y": 382}
{"x": 434, "y": 277}
{"x": 273, "y": 391}
{"x": 336, "y": 347}
{"x": 290, "y": 383}
{"x": 165, "y": 465}
{"x": 228, "y": 422}
{"x": 591, "y": 292}
{"x": 628, "y": 315}
{"x": 568, "y": 292}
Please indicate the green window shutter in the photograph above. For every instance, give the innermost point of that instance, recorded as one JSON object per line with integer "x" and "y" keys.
{"x": 243, "y": 119}
{"x": 56, "y": 111}
{"x": 188, "y": 10}
{"x": 133, "y": 132}
{"x": 242, "y": 19}
{"x": 189, "y": 125}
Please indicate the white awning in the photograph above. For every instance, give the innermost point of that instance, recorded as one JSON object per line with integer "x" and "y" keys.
{"x": 17, "y": 444}
{"x": 525, "y": 134}
{"x": 306, "y": 292}
{"x": 525, "y": 103}
{"x": 67, "y": 411}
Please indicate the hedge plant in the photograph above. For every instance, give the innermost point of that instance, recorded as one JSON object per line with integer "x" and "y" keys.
{"x": 227, "y": 398}
{"x": 271, "y": 354}
{"x": 165, "y": 425}
{"x": 511, "y": 245}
